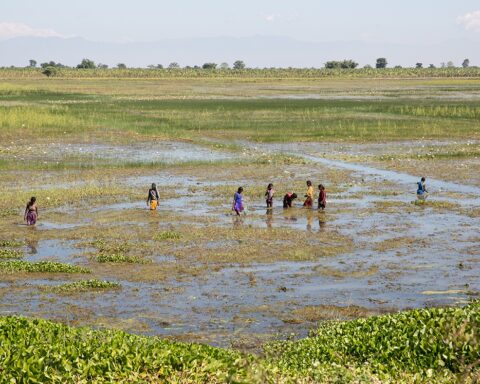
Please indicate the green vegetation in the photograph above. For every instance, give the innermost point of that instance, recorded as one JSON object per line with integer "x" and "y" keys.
{"x": 10, "y": 254}
{"x": 260, "y": 119}
{"x": 10, "y": 243}
{"x": 422, "y": 346}
{"x": 119, "y": 258}
{"x": 84, "y": 286}
{"x": 311, "y": 73}
{"x": 41, "y": 266}
{"x": 418, "y": 341}
{"x": 167, "y": 235}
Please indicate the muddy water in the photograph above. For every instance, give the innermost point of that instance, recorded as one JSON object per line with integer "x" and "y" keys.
{"x": 436, "y": 263}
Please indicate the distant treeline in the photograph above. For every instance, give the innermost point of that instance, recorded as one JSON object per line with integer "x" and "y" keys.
{"x": 66, "y": 72}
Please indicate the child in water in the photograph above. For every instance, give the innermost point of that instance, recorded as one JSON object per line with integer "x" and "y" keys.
{"x": 237, "y": 205}
{"x": 31, "y": 212}
{"x": 422, "y": 189}
{"x": 269, "y": 195}
{"x": 322, "y": 197}
{"x": 153, "y": 197}
{"x": 309, "y": 196}
{"x": 288, "y": 199}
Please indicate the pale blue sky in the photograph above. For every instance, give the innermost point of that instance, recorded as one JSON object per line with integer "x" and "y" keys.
{"x": 406, "y": 21}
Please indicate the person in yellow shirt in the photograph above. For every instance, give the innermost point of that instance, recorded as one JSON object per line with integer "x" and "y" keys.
{"x": 309, "y": 196}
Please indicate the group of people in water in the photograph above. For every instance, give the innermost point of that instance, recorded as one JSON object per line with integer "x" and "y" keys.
{"x": 237, "y": 205}
{"x": 31, "y": 210}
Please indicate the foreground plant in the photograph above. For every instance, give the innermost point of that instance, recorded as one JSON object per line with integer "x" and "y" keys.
{"x": 439, "y": 345}
{"x": 422, "y": 341}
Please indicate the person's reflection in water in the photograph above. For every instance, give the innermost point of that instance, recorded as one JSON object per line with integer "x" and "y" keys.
{"x": 309, "y": 219}
{"x": 269, "y": 219}
{"x": 289, "y": 216}
{"x": 33, "y": 245}
{"x": 322, "y": 222}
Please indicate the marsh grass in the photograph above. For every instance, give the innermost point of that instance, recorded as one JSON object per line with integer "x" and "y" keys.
{"x": 436, "y": 204}
{"x": 266, "y": 120}
{"x": 167, "y": 235}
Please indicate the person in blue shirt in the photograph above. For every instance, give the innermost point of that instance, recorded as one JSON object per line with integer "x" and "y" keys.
{"x": 422, "y": 189}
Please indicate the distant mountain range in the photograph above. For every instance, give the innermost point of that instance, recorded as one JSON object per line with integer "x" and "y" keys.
{"x": 256, "y": 51}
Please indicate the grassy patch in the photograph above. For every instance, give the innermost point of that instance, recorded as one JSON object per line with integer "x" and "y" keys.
{"x": 42, "y": 266}
{"x": 119, "y": 258}
{"x": 167, "y": 235}
{"x": 314, "y": 314}
{"x": 10, "y": 254}
{"x": 84, "y": 286}
{"x": 436, "y": 204}
{"x": 10, "y": 243}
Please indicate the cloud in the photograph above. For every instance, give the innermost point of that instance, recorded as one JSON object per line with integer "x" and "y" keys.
{"x": 270, "y": 18}
{"x": 471, "y": 21}
{"x": 9, "y": 30}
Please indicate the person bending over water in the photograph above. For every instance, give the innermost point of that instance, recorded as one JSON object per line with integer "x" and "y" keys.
{"x": 422, "y": 189}
{"x": 288, "y": 199}
{"x": 269, "y": 195}
{"x": 237, "y": 205}
{"x": 31, "y": 212}
{"x": 153, "y": 197}
{"x": 322, "y": 197}
{"x": 309, "y": 196}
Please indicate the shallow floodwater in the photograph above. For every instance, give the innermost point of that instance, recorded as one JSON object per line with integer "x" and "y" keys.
{"x": 146, "y": 152}
{"x": 402, "y": 256}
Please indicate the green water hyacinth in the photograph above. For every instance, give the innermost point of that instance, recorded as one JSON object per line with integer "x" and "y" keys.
{"x": 119, "y": 258}
{"x": 84, "y": 286}
{"x": 10, "y": 254}
{"x": 413, "y": 341}
{"x": 42, "y": 266}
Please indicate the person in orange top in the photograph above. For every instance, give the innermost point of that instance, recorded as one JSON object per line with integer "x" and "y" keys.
{"x": 309, "y": 196}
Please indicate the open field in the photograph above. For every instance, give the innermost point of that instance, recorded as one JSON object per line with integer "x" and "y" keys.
{"x": 88, "y": 149}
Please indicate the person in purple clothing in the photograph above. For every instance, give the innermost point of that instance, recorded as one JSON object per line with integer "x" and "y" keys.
{"x": 31, "y": 212}
{"x": 237, "y": 205}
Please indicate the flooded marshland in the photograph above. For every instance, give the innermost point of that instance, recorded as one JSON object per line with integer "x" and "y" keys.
{"x": 194, "y": 271}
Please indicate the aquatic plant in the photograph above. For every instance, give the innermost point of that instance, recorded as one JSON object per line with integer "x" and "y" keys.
{"x": 118, "y": 258}
{"x": 42, "y": 266}
{"x": 414, "y": 341}
{"x": 10, "y": 243}
{"x": 85, "y": 285}
{"x": 438, "y": 345}
{"x": 10, "y": 254}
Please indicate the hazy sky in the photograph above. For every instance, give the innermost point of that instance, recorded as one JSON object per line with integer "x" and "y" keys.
{"x": 406, "y": 21}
